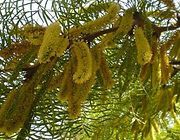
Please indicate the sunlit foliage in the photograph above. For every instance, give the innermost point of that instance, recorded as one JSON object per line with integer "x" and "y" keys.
{"x": 89, "y": 69}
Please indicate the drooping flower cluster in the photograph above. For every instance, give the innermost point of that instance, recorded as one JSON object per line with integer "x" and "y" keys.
{"x": 15, "y": 110}
{"x": 80, "y": 73}
{"x": 53, "y": 43}
{"x": 34, "y": 34}
{"x": 84, "y": 62}
{"x": 87, "y": 62}
{"x": 144, "y": 53}
{"x": 98, "y": 24}
{"x": 126, "y": 22}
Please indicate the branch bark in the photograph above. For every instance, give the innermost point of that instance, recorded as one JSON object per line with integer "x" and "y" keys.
{"x": 139, "y": 21}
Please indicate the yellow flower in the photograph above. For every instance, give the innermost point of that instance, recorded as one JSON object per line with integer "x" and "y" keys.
{"x": 66, "y": 86}
{"x": 126, "y": 22}
{"x": 53, "y": 43}
{"x": 16, "y": 108}
{"x": 105, "y": 73}
{"x": 93, "y": 26}
{"x": 165, "y": 66}
{"x": 84, "y": 62}
{"x": 63, "y": 44}
{"x": 156, "y": 65}
{"x": 34, "y": 34}
{"x": 144, "y": 53}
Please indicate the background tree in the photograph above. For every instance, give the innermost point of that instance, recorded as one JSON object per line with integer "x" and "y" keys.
{"x": 89, "y": 69}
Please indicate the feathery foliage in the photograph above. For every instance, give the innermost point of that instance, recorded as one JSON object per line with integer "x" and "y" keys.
{"x": 89, "y": 69}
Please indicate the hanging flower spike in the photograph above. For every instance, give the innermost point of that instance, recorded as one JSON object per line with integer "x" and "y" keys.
{"x": 126, "y": 23}
{"x": 84, "y": 62}
{"x": 144, "y": 53}
{"x": 50, "y": 43}
{"x": 96, "y": 25}
{"x": 165, "y": 66}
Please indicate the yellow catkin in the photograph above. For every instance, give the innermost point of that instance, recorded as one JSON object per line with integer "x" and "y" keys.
{"x": 105, "y": 73}
{"x": 50, "y": 42}
{"x": 83, "y": 89}
{"x": 107, "y": 41}
{"x": 5, "y": 108}
{"x": 74, "y": 105}
{"x": 19, "y": 110}
{"x": 66, "y": 86}
{"x": 24, "y": 105}
{"x": 16, "y": 121}
{"x": 84, "y": 62}
{"x": 97, "y": 24}
{"x": 34, "y": 34}
{"x": 159, "y": 99}
{"x": 96, "y": 57}
{"x": 163, "y": 100}
{"x": 79, "y": 94}
{"x": 66, "y": 90}
{"x": 55, "y": 82}
{"x": 53, "y": 43}
{"x": 144, "y": 73}
{"x": 74, "y": 109}
{"x": 126, "y": 23}
{"x": 155, "y": 64}
{"x": 64, "y": 43}
{"x": 156, "y": 71}
{"x": 165, "y": 66}
{"x": 144, "y": 53}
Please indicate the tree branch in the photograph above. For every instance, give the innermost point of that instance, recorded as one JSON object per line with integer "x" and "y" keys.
{"x": 93, "y": 36}
{"x": 139, "y": 21}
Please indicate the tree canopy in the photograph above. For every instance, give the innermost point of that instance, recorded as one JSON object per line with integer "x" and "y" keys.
{"x": 89, "y": 69}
